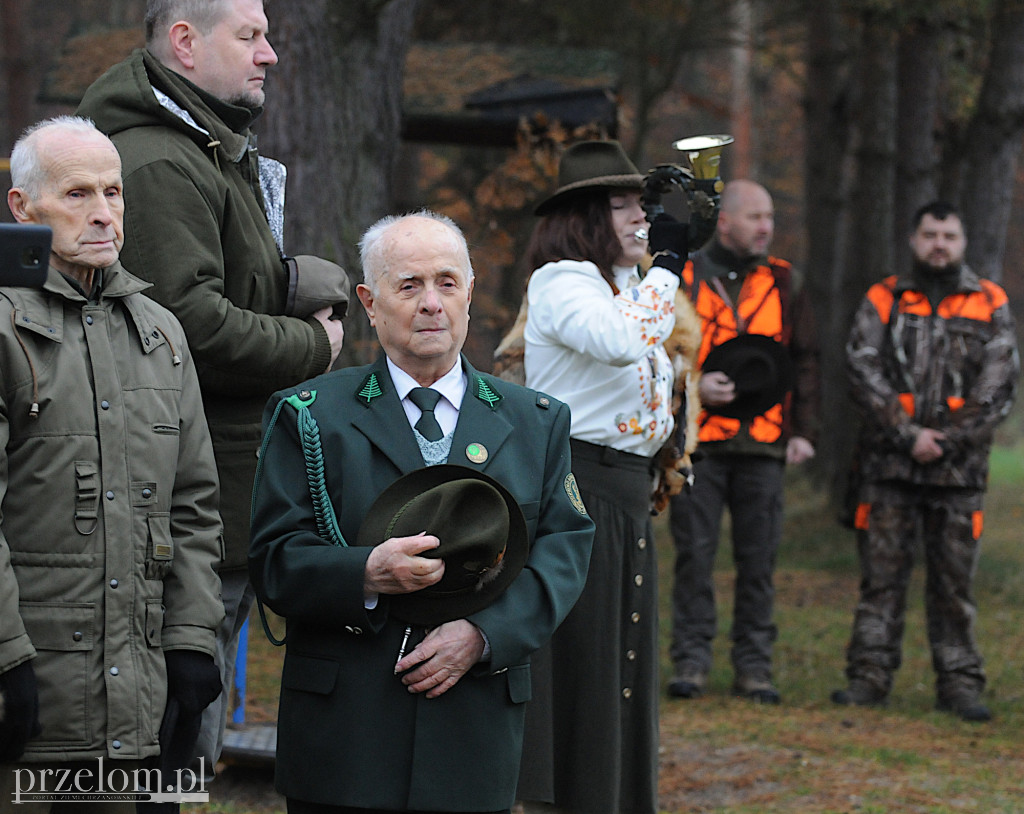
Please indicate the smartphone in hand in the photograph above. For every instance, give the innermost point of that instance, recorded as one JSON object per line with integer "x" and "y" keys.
{"x": 24, "y": 254}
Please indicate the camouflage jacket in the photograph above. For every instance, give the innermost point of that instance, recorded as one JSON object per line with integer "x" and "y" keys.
{"x": 953, "y": 368}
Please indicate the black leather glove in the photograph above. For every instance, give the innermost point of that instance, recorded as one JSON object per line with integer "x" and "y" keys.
{"x": 19, "y": 718}
{"x": 668, "y": 243}
{"x": 193, "y": 682}
{"x": 193, "y": 679}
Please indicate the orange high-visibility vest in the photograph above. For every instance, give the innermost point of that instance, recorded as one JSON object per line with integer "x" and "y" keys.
{"x": 761, "y": 308}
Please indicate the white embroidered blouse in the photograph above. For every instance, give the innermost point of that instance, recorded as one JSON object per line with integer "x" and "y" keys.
{"x": 603, "y": 353}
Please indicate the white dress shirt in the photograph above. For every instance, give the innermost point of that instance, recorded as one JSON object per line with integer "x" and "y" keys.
{"x": 603, "y": 353}
{"x": 452, "y": 387}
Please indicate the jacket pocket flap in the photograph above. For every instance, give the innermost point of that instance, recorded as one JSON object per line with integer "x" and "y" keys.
{"x": 520, "y": 687}
{"x": 309, "y": 674}
{"x": 53, "y": 626}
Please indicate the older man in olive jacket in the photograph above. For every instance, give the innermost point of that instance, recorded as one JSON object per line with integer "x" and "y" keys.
{"x": 369, "y": 720}
{"x": 109, "y": 534}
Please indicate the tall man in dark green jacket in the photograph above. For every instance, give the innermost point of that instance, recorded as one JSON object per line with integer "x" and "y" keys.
{"x": 375, "y": 715}
{"x": 203, "y": 224}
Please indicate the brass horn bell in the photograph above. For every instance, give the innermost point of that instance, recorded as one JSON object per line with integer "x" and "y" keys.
{"x": 704, "y": 154}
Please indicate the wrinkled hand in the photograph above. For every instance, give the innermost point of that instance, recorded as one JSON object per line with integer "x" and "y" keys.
{"x": 20, "y": 721}
{"x": 798, "y": 450}
{"x": 442, "y": 658}
{"x": 716, "y": 389}
{"x": 393, "y": 567}
{"x": 335, "y": 331}
{"x": 927, "y": 447}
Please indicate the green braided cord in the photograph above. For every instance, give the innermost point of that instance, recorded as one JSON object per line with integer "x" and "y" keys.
{"x": 327, "y": 524}
{"x": 323, "y": 510}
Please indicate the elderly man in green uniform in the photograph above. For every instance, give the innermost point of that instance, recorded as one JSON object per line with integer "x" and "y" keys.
{"x": 109, "y": 534}
{"x": 378, "y": 714}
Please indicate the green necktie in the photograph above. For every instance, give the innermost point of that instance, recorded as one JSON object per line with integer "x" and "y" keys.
{"x": 426, "y": 399}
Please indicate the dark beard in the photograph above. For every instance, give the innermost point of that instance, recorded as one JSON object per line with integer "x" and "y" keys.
{"x": 923, "y": 267}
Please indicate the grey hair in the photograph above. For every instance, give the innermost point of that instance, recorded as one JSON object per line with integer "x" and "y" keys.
{"x": 371, "y": 253}
{"x": 161, "y": 14}
{"x": 27, "y": 172}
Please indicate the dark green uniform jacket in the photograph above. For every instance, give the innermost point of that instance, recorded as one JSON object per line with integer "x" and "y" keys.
{"x": 349, "y": 732}
{"x": 195, "y": 227}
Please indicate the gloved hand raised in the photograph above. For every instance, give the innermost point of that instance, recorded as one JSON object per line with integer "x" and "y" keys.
{"x": 668, "y": 243}
{"x": 19, "y": 718}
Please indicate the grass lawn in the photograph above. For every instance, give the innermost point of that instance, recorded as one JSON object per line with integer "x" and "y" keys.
{"x": 721, "y": 754}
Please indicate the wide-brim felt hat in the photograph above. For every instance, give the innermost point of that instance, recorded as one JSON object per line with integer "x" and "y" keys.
{"x": 589, "y": 165}
{"x": 761, "y": 369}
{"x": 482, "y": 533}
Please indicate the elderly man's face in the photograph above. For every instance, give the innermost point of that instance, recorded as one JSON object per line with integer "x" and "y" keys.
{"x": 80, "y": 200}
{"x": 231, "y": 61}
{"x": 421, "y": 307}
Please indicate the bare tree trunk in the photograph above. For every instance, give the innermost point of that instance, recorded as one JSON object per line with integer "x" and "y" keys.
{"x": 994, "y": 143}
{"x": 920, "y": 54}
{"x": 828, "y": 108}
{"x": 15, "y": 65}
{"x": 741, "y": 111}
{"x": 334, "y": 118}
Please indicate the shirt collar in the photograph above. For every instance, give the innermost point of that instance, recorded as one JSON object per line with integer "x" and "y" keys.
{"x": 452, "y": 385}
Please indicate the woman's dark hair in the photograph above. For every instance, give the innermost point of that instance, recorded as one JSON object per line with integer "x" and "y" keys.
{"x": 580, "y": 229}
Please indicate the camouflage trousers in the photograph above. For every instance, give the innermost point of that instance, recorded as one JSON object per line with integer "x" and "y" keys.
{"x": 893, "y": 517}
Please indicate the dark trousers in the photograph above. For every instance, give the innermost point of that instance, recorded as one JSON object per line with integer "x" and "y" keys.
{"x": 948, "y": 523}
{"x": 751, "y": 487}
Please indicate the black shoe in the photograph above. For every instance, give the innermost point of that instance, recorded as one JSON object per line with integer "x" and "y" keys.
{"x": 859, "y": 694}
{"x": 757, "y": 688}
{"x": 687, "y": 683}
{"x": 967, "y": 708}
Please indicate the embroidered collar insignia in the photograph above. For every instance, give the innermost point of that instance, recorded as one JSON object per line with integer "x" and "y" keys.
{"x": 370, "y": 389}
{"x": 486, "y": 394}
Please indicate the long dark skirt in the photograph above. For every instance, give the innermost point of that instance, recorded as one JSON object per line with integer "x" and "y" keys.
{"x": 591, "y": 741}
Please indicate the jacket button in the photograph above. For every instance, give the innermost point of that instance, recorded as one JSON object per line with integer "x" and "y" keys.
{"x": 630, "y": 655}
{"x": 105, "y": 404}
{"x": 147, "y": 493}
{"x": 627, "y": 693}
{"x": 77, "y": 636}
{"x": 634, "y": 618}
{"x": 641, "y": 543}
{"x": 110, "y": 495}
{"x": 116, "y": 744}
{"x": 114, "y": 671}
{"x": 639, "y": 580}
{"x": 114, "y": 583}
{"x": 88, "y": 320}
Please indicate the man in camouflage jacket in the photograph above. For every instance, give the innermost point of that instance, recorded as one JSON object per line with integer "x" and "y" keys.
{"x": 933, "y": 367}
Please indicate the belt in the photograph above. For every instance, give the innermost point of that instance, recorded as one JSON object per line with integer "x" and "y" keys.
{"x": 609, "y": 456}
